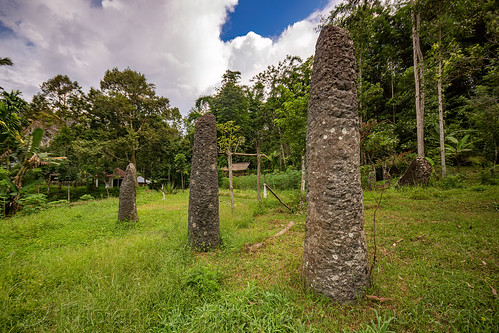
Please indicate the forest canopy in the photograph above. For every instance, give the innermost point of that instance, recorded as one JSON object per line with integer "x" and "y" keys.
{"x": 436, "y": 60}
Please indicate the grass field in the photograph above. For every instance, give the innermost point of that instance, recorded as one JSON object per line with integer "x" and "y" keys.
{"x": 75, "y": 269}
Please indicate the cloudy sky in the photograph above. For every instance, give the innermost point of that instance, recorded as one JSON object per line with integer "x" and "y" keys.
{"x": 182, "y": 46}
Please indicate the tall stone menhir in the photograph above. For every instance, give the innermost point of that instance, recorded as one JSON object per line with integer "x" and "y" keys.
{"x": 335, "y": 254}
{"x": 203, "y": 225}
{"x": 128, "y": 193}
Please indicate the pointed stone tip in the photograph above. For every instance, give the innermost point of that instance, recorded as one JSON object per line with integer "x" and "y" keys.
{"x": 207, "y": 118}
{"x": 332, "y": 35}
{"x": 333, "y": 29}
{"x": 130, "y": 167}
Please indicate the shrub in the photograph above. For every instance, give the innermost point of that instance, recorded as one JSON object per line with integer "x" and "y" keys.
{"x": 401, "y": 162}
{"x": 86, "y": 197}
{"x": 367, "y": 179}
{"x": 452, "y": 181}
{"x": 56, "y": 193}
{"x": 168, "y": 188}
{"x": 297, "y": 201}
{"x": 278, "y": 180}
{"x": 33, "y": 203}
{"x": 203, "y": 281}
{"x": 488, "y": 178}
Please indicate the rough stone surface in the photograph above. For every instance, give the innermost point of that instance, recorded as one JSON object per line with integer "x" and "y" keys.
{"x": 203, "y": 225}
{"x": 335, "y": 253}
{"x": 128, "y": 204}
{"x": 418, "y": 173}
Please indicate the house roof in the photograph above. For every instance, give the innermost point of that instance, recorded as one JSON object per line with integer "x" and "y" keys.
{"x": 117, "y": 173}
{"x": 243, "y": 166}
{"x": 141, "y": 180}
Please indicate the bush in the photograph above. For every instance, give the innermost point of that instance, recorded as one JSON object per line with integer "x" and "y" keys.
{"x": 297, "y": 201}
{"x": 57, "y": 193}
{"x": 278, "y": 181}
{"x": 168, "y": 188}
{"x": 367, "y": 178}
{"x": 204, "y": 281}
{"x": 452, "y": 181}
{"x": 488, "y": 178}
{"x": 401, "y": 162}
{"x": 86, "y": 197}
{"x": 33, "y": 203}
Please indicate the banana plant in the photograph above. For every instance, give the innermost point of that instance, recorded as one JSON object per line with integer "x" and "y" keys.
{"x": 28, "y": 159}
{"x": 458, "y": 148}
{"x": 10, "y": 194}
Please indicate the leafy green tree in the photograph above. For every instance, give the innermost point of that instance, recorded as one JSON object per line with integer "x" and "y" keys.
{"x": 484, "y": 107}
{"x": 181, "y": 166}
{"x": 230, "y": 103}
{"x": 292, "y": 116}
{"x": 378, "y": 141}
{"x": 228, "y": 142}
{"x": 60, "y": 101}
{"x": 124, "y": 105}
{"x": 11, "y": 123}
{"x": 282, "y": 89}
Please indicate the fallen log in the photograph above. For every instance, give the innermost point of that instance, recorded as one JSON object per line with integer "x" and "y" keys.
{"x": 256, "y": 246}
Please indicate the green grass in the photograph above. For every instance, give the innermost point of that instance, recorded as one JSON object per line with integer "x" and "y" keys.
{"x": 74, "y": 268}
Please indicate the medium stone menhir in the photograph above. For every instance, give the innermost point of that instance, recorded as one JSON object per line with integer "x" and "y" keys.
{"x": 128, "y": 192}
{"x": 335, "y": 253}
{"x": 203, "y": 221}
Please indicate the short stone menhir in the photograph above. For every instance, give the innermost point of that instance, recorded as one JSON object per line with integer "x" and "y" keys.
{"x": 417, "y": 174}
{"x": 203, "y": 220}
{"x": 335, "y": 253}
{"x": 128, "y": 192}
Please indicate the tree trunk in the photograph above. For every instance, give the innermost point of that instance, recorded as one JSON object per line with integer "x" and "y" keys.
{"x": 441, "y": 104}
{"x": 418, "y": 79}
{"x": 495, "y": 158}
{"x": 281, "y": 159}
{"x": 69, "y": 192}
{"x": 7, "y": 162}
{"x": 393, "y": 94}
{"x": 182, "y": 180}
{"x": 359, "y": 79}
{"x": 231, "y": 187}
{"x": 133, "y": 159}
{"x": 258, "y": 159}
{"x": 303, "y": 173}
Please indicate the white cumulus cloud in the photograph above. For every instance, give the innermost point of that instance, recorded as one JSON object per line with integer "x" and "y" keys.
{"x": 175, "y": 43}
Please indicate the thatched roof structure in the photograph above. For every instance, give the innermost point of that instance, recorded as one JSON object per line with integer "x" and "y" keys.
{"x": 243, "y": 166}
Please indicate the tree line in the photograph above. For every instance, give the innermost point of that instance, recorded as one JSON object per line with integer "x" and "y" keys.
{"x": 427, "y": 83}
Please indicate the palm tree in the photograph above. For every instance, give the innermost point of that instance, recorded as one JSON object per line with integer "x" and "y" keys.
{"x": 10, "y": 127}
{"x": 12, "y": 106}
{"x": 6, "y": 62}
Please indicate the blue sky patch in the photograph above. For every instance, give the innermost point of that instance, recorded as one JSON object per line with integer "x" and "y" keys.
{"x": 268, "y": 18}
